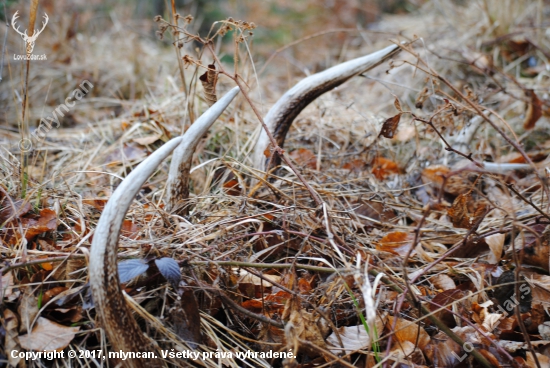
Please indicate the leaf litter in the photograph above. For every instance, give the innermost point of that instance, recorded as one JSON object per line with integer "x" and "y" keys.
{"x": 452, "y": 225}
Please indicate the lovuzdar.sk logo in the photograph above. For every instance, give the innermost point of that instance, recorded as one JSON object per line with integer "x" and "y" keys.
{"x": 29, "y": 40}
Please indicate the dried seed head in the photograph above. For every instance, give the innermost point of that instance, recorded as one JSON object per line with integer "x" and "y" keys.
{"x": 157, "y": 18}
{"x": 188, "y": 18}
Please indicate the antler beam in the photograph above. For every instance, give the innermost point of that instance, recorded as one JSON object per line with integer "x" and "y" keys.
{"x": 115, "y": 316}
{"x": 279, "y": 119}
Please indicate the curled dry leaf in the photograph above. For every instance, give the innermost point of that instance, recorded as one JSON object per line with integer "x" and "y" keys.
{"x": 382, "y": 168}
{"x": 419, "y": 103}
{"x": 10, "y": 325}
{"x": 144, "y": 141}
{"x": 390, "y": 126}
{"x": 304, "y": 157}
{"x": 495, "y": 243}
{"x": 7, "y": 211}
{"x": 232, "y": 187}
{"x": 397, "y": 242}
{"x": 443, "y": 282}
{"x": 408, "y": 331}
{"x": 465, "y": 213}
{"x": 48, "y": 335}
{"x": 397, "y": 105}
{"x": 407, "y": 352}
{"x": 47, "y": 221}
{"x": 354, "y": 337}
{"x": 534, "y": 246}
{"x": 209, "y": 80}
{"x": 435, "y": 174}
{"x": 534, "y": 110}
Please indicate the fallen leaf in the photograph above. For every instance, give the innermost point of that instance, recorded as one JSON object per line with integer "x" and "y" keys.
{"x": 435, "y": 174}
{"x": 390, "y": 126}
{"x": 304, "y": 157}
{"x": 408, "y": 331}
{"x": 495, "y": 243}
{"x": 49, "y": 336}
{"x": 464, "y": 212}
{"x": 144, "y": 141}
{"x": 47, "y": 221}
{"x": 354, "y": 337}
{"x": 534, "y": 110}
{"x": 10, "y": 325}
{"x": 397, "y": 242}
{"x": 125, "y": 154}
{"x": 27, "y": 309}
{"x": 21, "y": 208}
{"x": 232, "y": 187}
{"x": 130, "y": 230}
{"x": 382, "y": 168}
{"x": 443, "y": 282}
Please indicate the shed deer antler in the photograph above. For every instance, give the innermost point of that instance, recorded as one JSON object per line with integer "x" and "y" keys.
{"x": 29, "y": 40}
{"x": 282, "y": 114}
{"x": 120, "y": 326}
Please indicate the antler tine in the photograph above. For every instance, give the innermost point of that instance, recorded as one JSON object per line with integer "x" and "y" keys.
{"x": 16, "y": 29}
{"x": 36, "y": 32}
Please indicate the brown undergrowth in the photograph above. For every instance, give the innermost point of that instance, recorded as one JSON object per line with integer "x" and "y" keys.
{"x": 407, "y": 227}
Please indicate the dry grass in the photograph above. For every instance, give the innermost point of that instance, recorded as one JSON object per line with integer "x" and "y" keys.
{"x": 278, "y": 230}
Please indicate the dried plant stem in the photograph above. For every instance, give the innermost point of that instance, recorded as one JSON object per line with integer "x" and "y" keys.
{"x": 442, "y": 326}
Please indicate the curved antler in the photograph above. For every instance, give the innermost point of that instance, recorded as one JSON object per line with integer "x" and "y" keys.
{"x": 282, "y": 114}
{"x": 16, "y": 29}
{"x": 178, "y": 177}
{"x": 36, "y": 33}
{"x": 116, "y": 318}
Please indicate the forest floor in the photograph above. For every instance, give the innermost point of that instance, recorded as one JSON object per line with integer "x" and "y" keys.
{"x": 429, "y": 246}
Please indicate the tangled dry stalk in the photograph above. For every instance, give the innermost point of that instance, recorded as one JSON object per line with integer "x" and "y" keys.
{"x": 406, "y": 222}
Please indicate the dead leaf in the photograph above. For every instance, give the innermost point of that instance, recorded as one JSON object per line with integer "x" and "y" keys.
{"x": 435, "y": 174}
{"x": 408, "y": 331}
{"x": 443, "y": 282}
{"x": 144, "y": 141}
{"x": 10, "y": 325}
{"x": 46, "y": 221}
{"x": 534, "y": 110}
{"x": 390, "y": 126}
{"x": 209, "y": 80}
{"x": 125, "y": 154}
{"x": 535, "y": 247}
{"x": 130, "y": 230}
{"x": 304, "y": 157}
{"x": 354, "y": 337}
{"x": 382, "y": 168}
{"x": 232, "y": 187}
{"x": 48, "y": 335}
{"x": 407, "y": 352}
{"x": 464, "y": 212}
{"x": 419, "y": 103}
{"x": 495, "y": 243}
{"x": 9, "y": 292}
{"x": 21, "y": 208}
{"x": 397, "y": 242}
{"x": 28, "y": 309}
{"x": 373, "y": 210}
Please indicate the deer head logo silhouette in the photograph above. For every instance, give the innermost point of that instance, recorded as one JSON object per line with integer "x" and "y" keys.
{"x": 29, "y": 40}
